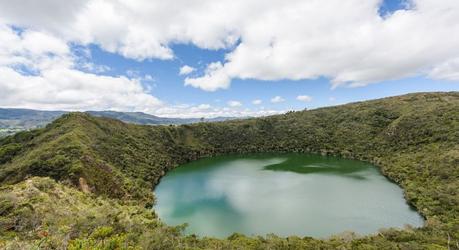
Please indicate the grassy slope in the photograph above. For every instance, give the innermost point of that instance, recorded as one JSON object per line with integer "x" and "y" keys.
{"x": 413, "y": 138}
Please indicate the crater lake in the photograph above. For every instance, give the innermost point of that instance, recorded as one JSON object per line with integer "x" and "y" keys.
{"x": 284, "y": 194}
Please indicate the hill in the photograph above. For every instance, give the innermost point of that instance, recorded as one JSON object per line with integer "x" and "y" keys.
{"x": 146, "y": 119}
{"x": 414, "y": 139}
{"x": 15, "y": 120}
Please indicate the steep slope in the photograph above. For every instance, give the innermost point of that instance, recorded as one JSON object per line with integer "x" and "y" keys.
{"x": 414, "y": 139}
{"x": 60, "y": 216}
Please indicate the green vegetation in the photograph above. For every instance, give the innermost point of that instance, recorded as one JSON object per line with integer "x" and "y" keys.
{"x": 414, "y": 139}
{"x": 9, "y": 131}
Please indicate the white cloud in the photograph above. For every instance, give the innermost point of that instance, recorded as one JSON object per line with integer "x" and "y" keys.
{"x": 215, "y": 78}
{"x": 139, "y": 29}
{"x": 332, "y": 99}
{"x": 345, "y": 41}
{"x": 257, "y": 102}
{"x": 189, "y": 111}
{"x": 67, "y": 89}
{"x": 94, "y": 68}
{"x": 234, "y": 104}
{"x": 185, "y": 70}
{"x": 33, "y": 50}
{"x": 59, "y": 80}
{"x": 38, "y": 70}
{"x": 277, "y": 99}
{"x": 448, "y": 70}
{"x": 203, "y": 106}
{"x": 304, "y": 98}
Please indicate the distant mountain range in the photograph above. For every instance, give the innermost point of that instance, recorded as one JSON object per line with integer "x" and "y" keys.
{"x": 14, "y": 120}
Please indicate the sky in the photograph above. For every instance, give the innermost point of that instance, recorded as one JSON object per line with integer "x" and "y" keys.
{"x": 205, "y": 58}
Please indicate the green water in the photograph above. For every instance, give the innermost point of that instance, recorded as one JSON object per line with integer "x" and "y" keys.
{"x": 285, "y": 194}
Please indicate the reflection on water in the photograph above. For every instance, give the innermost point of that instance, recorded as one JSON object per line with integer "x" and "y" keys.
{"x": 288, "y": 194}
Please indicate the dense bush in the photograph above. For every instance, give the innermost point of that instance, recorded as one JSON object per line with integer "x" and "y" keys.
{"x": 8, "y": 151}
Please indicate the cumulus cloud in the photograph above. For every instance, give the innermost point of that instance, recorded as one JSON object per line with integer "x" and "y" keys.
{"x": 215, "y": 78}
{"x": 347, "y": 42}
{"x": 304, "y": 98}
{"x": 257, "y": 102}
{"x": 448, "y": 70}
{"x": 191, "y": 111}
{"x": 234, "y": 104}
{"x": 38, "y": 70}
{"x": 67, "y": 89}
{"x": 277, "y": 99}
{"x": 33, "y": 50}
{"x": 185, "y": 70}
{"x": 203, "y": 106}
{"x": 138, "y": 29}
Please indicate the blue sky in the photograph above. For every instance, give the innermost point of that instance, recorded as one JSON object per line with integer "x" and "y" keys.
{"x": 123, "y": 58}
{"x": 168, "y": 85}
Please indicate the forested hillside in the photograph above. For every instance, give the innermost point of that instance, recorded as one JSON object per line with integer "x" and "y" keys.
{"x": 92, "y": 162}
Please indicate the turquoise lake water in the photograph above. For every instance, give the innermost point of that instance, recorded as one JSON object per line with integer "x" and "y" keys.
{"x": 284, "y": 194}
